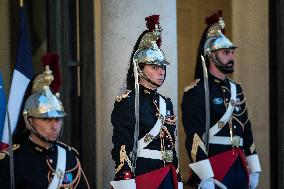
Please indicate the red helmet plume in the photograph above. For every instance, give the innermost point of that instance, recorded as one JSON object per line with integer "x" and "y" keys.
{"x": 51, "y": 59}
{"x": 151, "y": 22}
{"x": 212, "y": 19}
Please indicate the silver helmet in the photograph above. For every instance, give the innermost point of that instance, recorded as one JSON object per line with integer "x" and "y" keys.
{"x": 216, "y": 40}
{"x": 43, "y": 103}
{"x": 148, "y": 51}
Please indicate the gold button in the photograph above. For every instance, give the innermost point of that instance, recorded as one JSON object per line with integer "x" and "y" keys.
{"x": 220, "y": 124}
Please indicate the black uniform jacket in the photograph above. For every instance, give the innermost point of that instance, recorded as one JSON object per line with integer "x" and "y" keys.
{"x": 193, "y": 117}
{"x": 123, "y": 121}
{"x": 34, "y": 167}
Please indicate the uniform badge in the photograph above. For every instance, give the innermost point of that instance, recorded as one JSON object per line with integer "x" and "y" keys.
{"x": 68, "y": 178}
{"x": 236, "y": 141}
{"x": 218, "y": 101}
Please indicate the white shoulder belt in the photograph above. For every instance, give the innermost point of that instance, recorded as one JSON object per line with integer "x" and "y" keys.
{"x": 146, "y": 153}
{"x": 60, "y": 168}
{"x": 143, "y": 142}
{"x": 224, "y": 120}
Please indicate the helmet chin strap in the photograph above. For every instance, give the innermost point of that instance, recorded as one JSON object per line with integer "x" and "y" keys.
{"x": 220, "y": 65}
{"x": 216, "y": 62}
{"x": 144, "y": 76}
{"x": 40, "y": 136}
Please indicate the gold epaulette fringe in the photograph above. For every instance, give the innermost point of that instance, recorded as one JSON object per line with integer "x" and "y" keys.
{"x": 5, "y": 152}
{"x": 192, "y": 85}
{"x": 125, "y": 94}
{"x": 68, "y": 147}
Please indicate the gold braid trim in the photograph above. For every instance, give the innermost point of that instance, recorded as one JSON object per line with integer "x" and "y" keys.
{"x": 69, "y": 147}
{"x": 125, "y": 94}
{"x": 86, "y": 180}
{"x": 123, "y": 158}
{"x": 241, "y": 102}
{"x": 223, "y": 87}
{"x": 229, "y": 90}
{"x": 2, "y": 155}
{"x": 252, "y": 148}
{"x": 197, "y": 142}
{"x": 192, "y": 85}
{"x": 241, "y": 93}
{"x": 5, "y": 152}
{"x": 239, "y": 114}
{"x": 239, "y": 122}
{"x": 171, "y": 120}
{"x": 76, "y": 180}
{"x": 177, "y": 170}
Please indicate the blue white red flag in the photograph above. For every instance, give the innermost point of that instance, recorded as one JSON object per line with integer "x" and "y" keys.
{"x": 2, "y": 106}
{"x": 23, "y": 72}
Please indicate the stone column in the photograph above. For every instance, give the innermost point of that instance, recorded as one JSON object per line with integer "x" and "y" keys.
{"x": 250, "y": 33}
{"x": 121, "y": 24}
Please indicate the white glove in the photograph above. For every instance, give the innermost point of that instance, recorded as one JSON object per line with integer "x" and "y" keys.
{"x": 207, "y": 184}
{"x": 124, "y": 184}
{"x": 180, "y": 185}
{"x": 253, "y": 180}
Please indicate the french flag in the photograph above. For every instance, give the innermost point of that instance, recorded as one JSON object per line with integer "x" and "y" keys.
{"x": 2, "y": 106}
{"x": 23, "y": 72}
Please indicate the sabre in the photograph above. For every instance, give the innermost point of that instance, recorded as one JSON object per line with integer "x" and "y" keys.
{"x": 207, "y": 105}
{"x": 136, "y": 130}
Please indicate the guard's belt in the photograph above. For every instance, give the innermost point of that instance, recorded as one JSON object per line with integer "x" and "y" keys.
{"x": 153, "y": 133}
{"x": 60, "y": 168}
{"x": 237, "y": 141}
{"x": 227, "y": 115}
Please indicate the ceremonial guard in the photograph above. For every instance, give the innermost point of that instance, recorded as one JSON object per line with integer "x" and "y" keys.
{"x": 41, "y": 161}
{"x": 144, "y": 122}
{"x": 219, "y": 138}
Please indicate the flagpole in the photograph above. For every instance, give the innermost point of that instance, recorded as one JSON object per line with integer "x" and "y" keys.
{"x": 11, "y": 155}
{"x": 23, "y": 72}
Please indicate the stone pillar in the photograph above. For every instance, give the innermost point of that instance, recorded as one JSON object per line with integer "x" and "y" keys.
{"x": 121, "y": 24}
{"x": 250, "y": 33}
{"x": 276, "y": 56}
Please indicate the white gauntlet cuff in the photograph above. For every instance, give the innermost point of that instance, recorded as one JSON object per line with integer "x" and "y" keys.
{"x": 253, "y": 163}
{"x": 180, "y": 185}
{"x": 124, "y": 184}
{"x": 202, "y": 168}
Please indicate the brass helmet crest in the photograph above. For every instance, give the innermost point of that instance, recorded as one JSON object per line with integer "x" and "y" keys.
{"x": 216, "y": 40}
{"x": 42, "y": 103}
{"x": 149, "y": 51}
